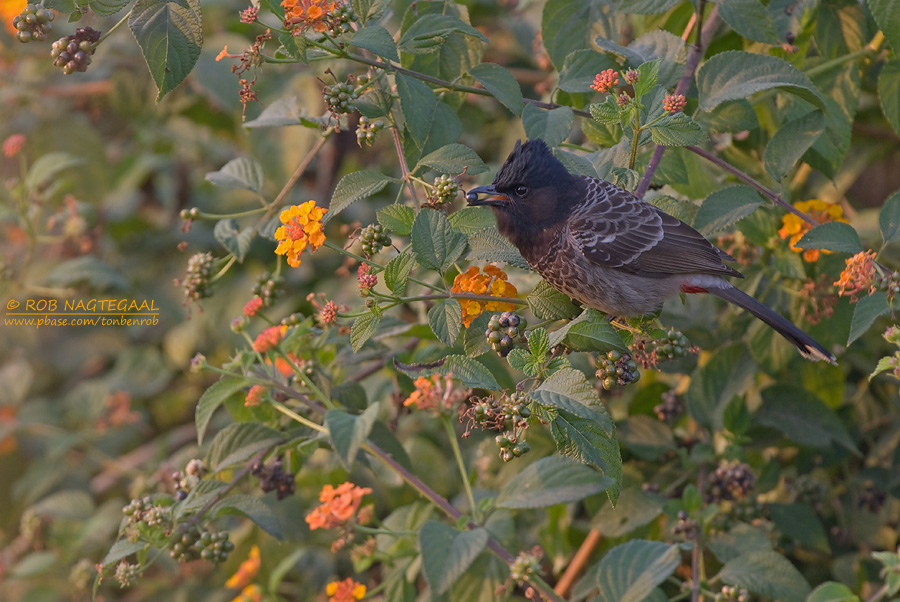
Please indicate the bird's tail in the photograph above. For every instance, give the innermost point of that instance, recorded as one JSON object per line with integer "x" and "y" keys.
{"x": 807, "y": 346}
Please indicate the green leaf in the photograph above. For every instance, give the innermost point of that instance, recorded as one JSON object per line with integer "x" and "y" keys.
{"x": 47, "y": 167}
{"x": 34, "y": 564}
{"x": 724, "y": 208}
{"x": 631, "y": 571}
{"x": 790, "y": 142}
{"x": 362, "y": 330}
{"x": 887, "y": 16}
{"x": 466, "y": 370}
{"x": 889, "y": 89}
{"x": 677, "y": 129}
{"x": 799, "y": 522}
{"x": 489, "y": 245}
{"x": 736, "y": 418}
{"x": 377, "y": 40}
{"x": 766, "y": 573}
{"x": 590, "y": 331}
{"x": 547, "y": 303}
{"x": 579, "y": 70}
{"x": 588, "y": 441}
{"x": 727, "y": 374}
{"x": 644, "y": 7}
{"x": 370, "y": 10}
{"x": 470, "y": 220}
{"x": 434, "y": 241}
{"x": 355, "y": 186}
{"x": 731, "y": 116}
{"x": 253, "y": 508}
{"x": 551, "y": 126}
{"x": 832, "y": 591}
{"x": 429, "y": 33}
{"x": 170, "y": 34}
{"x": 803, "y": 418}
{"x": 474, "y": 341}
{"x": 123, "y": 549}
{"x": 646, "y": 437}
{"x": 889, "y": 218}
{"x": 396, "y": 273}
{"x": 741, "y": 539}
{"x": 576, "y": 164}
{"x": 397, "y": 218}
{"x": 567, "y": 25}
{"x": 867, "y": 311}
{"x": 735, "y": 74}
{"x": 240, "y": 173}
{"x": 625, "y": 178}
{"x": 445, "y": 319}
{"x": 418, "y": 103}
{"x": 348, "y": 432}
{"x": 230, "y": 236}
{"x": 447, "y": 553}
{"x": 523, "y": 361}
{"x": 550, "y": 481}
{"x": 211, "y": 399}
{"x": 884, "y": 364}
{"x": 635, "y": 509}
{"x": 106, "y": 8}
{"x": 648, "y": 76}
{"x": 448, "y": 54}
{"x": 832, "y": 236}
{"x": 454, "y": 159}
{"x": 538, "y": 343}
{"x": 500, "y": 82}
{"x": 606, "y": 112}
{"x": 891, "y": 571}
{"x": 750, "y": 19}
{"x": 294, "y": 47}
{"x": 237, "y": 442}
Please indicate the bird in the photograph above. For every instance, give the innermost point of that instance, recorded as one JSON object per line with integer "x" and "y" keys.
{"x": 608, "y": 249}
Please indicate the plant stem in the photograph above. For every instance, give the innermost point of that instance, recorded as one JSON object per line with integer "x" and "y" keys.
{"x": 463, "y": 473}
{"x": 306, "y": 380}
{"x": 113, "y": 28}
{"x": 403, "y": 167}
{"x": 297, "y": 417}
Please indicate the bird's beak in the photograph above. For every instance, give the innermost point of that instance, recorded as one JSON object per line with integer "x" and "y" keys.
{"x": 496, "y": 200}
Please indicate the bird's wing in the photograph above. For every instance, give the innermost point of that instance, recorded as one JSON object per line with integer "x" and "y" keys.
{"x": 614, "y": 228}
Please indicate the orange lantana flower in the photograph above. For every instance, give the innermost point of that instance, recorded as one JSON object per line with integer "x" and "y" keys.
{"x": 311, "y": 13}
{"x": 432, "y": 394}
{"x": 347, "y": 590}
{"x": 858, "y": 276}
{"x": 251, "y": 593}
{"x": 492, "y": 282}
{"x": 794, "y": 227}
{"x": 247, "y": 571}
{"x": 302, "y": 227}
{"x": 338, "y": 505}
{"x": 269, "y": 338}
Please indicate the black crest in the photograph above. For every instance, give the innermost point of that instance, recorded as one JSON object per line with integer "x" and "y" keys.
{"x": 531, "y": 164}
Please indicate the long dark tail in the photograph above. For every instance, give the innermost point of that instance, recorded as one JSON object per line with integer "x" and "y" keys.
{"x": 807, "y": 346}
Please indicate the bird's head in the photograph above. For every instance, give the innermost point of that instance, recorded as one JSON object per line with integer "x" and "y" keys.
{"x": 531, "y": 190}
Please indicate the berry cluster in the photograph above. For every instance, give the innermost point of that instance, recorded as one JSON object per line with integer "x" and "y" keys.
{"x": 73, "y": 53}
{"x": 444, "y": 191}
{"x": 144, "y": 511}
{"x": 374, "y": 238}
{"x": 340, "y": 20}
{"x": 126, "y": 573}
{"x": 526, "y": 565}
{"x": 33, "y": 23}
{"x": 268, "y": 288}
{"x": 810, "y": 491}
{"x": 617, "y": 369}
{"x": 687, "y": 527}
{"x": 208, "y": 545}
{"x": 729, "y": 482}
{"x": 888, "y": 282}
{"x": 196, "y": 279}
{"x": 673, "y": 345}
{"x": 366, "y": 130}
{"x": 732, "y": 593}
{"x": 502, "y": 331}
{"x": 272, "y": 477}
{"x": 671, "y": 407}
{"x": 871, "y": 499}
{"x": 186, "y": 480}
{"x": 508, "y": 414}
{"x": 339, "y": 98}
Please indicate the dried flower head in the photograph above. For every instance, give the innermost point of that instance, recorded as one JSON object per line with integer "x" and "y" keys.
{"x": 435, "y": 393}
{"x": 858, "y": 276}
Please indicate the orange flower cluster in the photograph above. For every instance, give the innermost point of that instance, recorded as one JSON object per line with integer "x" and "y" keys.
{"x": 347, "y": 590}
{"x": 492, "y": 282}
{"x": 793, "y": 227}
{"x": 269, "y": 338}
{"x": 338, "y": 505}
{"x": 253, "y": 305}
{"x": 251, "y": 593}
{"x": 254, "y": 397}
{"x": 13, "y": 144}
{"x": 302, "y": 227}
{"x": 858, "y": 276}
{"x": 605, "y": 81}
{"x": 432, "y": 394}
{"x": 674, "y": 103}
{"x": 247, "y": 571}
{"x": 311, "y": 13}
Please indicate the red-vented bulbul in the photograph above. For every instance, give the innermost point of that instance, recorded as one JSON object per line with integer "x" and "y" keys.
{"x": 608, "y": 249}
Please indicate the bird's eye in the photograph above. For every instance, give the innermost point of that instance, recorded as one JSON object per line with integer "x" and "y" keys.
{"x": 521, "y": 191}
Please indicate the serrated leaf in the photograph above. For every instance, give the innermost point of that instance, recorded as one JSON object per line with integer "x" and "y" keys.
{"x": 766, "y": 573}
{"x": 397, "y": 218}
{"x": 735, "y": 74}
{"x": 500, "y": 82}
{"x": 580, "y": 68}
{"x": 235, "y": 240}
{"x": 631, "y": 571}
{"x": 434, "y": 241}
{"x": 550, "y": 481}
{"x": 713, "y": 385}
{"x": 590, "y": 331}
{"x": 887, "y": 16}
{"x": 567, "y": 25}
{"x": 123, "y": 549}
{"x": 447, "y": 553}
{"x": 644, "y": 7}
{"x": 355, "y": 186}
{"x": 889, "y": 218}
{"x": 568, "y": 389}
{"x": 370, "y": 10}
{"x": 547, "y": 303}
{"x": 253, "y": 508}
{"x": 641, "y": 509}
{"x": 470, "y": 220}
{"x": 377, "y": 40}
{"x": 538, "y": 342}
{"x": 429, "y": 32}
{"x": 294, "y": 47}
{"x": 605, "y": 112}
{"x": 348, "y": 431}
{"x": 454, "y": 159}
{"x": 677, "y": 129}
{"x": 832, "y": 592}
{"x": 523, "y": 361}
{"x": 750, "y": 19}
{"x": 362, "y": 330}
{"x": 241, "y": 173}
{"x": 47, "y": 167}
{"x": 418, "y": 103}
{"x": 396, "y": 273}
{"x": 790, "y": 142}
{"x": 475, "y": 342}
{"x": 587, "y": 440}
{"x": 832, "y": 236}
{"x": 210, "y": 401}
{"x": 445, "y": 319}
{"x": 490, "y": 246}
{"x": 576, "y": 164}
{"x": 867, "y": 311}
{"x": 730, "y": 116}
{"x": 803, "y": 418}
{"x": 170, "y": 34}
{"x": 282, "y": 112}
{"x": 551, "y": 126}
{"x": 106, "y": 8}
{"x": 799, "y": 522}
{"x": 884, "y": 364}
{"x": 625, "y": 178}
{"x": 447, "y": 54}
{"x": 724, "y": 208}
{"x": 239, "y": 441}
{"x": 889, "y": 89}
{"x": 740, "y": 539}
{"x": 466, "y": 370}
{"x": 648, "y": 75}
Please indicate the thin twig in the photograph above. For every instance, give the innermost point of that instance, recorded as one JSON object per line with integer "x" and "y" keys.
{"x": 403, "y": 167}
{"x": 578, "y": 561}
